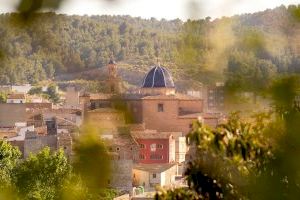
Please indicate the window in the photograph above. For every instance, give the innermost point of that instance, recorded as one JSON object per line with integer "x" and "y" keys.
{"x": 156, "y": 157}
{"x": 142, "y": 157}
{"x": 153, "y": 175}
{"x": 190, "y": 126}
{"x": 160, "y": 107}
{"x": 118, "y": 148}
{"x": 142, "y": 146}
{"x": 112, "y": 88}
{"x": 93, "y": 105}
{"x": 159, "y": 146}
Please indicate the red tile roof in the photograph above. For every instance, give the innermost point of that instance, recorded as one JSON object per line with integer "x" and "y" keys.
{"x": 151, "y": 134}
{"x": 16, "y": 96}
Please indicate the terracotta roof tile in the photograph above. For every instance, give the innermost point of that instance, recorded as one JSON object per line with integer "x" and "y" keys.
{"x": 16, "y": 96}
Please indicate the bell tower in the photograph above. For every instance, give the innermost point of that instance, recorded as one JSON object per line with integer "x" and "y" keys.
{"x": 114, "y": 82}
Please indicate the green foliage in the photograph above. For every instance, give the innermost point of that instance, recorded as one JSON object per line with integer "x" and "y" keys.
{"x": 252, "y": 40}
{"x": 224, "y": 158}
{"x": 49, "y": 175}
{"x": 106, "y": 194}
{"x": 197, "y": 49}
{"x": 3, "y": 97}
{"x": 49, "y": 47}
{"x": 281, "y": 174}
{"x": 92, "y": 161}
{"x": 284, "y": 91}
{"x": 86, "y": 85}
{"x": 247, "y": 73}
{"x": 176, "y": 194}
{"x": 244, "y": 142}
{"x": 9, "y": 156}
{"x": 28, "y": 8}
{"x": 35, "y": 90}
{"x": 42, "y": 176}
{"x": 52, "y": 93}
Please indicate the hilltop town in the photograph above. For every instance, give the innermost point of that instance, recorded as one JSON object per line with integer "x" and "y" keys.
{"x": 120, "y": 107}
{"x": 144, "y": 128}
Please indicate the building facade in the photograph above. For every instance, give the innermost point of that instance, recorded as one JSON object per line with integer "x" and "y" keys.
{"x": 155, "y": 147}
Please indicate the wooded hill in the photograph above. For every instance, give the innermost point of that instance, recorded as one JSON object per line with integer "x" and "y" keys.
{"x": 54, "y": 44}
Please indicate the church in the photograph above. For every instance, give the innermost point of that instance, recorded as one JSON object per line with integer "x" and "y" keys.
{"x": 154, "y": 106}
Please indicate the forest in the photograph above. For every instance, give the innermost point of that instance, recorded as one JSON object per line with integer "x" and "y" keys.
{"x": 258, "y": 45}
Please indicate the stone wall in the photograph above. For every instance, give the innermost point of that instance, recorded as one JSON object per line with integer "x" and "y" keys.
{"x": 64, "y": 141}
{"x": 34, "y": 143}
{"x": 122, "y": 175}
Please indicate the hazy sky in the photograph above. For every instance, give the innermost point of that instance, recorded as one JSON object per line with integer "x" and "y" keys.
{"x": 168, "y": 9}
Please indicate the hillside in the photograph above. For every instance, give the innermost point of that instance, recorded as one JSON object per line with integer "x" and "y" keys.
{"x": 53, "y": 45}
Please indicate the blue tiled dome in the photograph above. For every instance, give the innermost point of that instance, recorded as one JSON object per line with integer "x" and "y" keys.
{"x": 158, "y": 77}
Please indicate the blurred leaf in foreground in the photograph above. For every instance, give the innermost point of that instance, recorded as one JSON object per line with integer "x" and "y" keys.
{"x": 91, "y": 159}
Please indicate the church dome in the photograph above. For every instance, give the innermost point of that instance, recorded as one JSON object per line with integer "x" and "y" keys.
{"x": 158, "y": 77}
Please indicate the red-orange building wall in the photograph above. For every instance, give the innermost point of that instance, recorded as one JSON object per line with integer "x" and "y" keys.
{"x": 146, "y": 152}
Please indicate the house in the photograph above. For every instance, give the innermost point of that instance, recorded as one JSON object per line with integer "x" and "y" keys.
{"x": 21, "y": 88}
{"x": 72, "y": 98}
{"x": 35, "y": 99}
{"x": 18, "y": 140}
{"x": 181, "y": 149}
{"x": 151, "y": 175}
{"x": 12, "y": 115}
{"x": 16, "y": 98}
{"x": 155, "y": 147}
{"x": 8, "y": 133}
